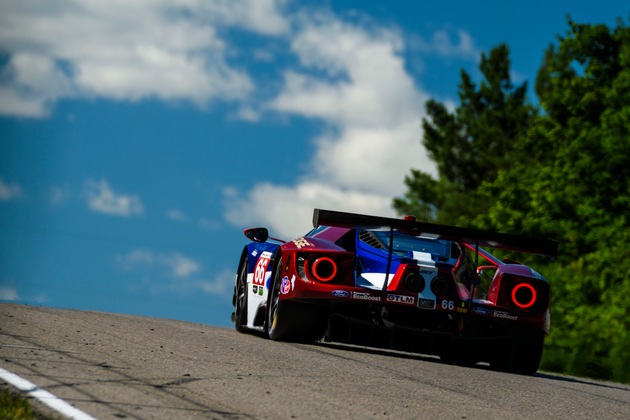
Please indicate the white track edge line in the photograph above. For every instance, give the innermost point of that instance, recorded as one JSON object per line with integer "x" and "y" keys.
{"x": 44, "y": 396}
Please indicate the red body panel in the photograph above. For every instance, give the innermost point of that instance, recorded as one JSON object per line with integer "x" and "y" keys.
{"x": 343, "y": 291}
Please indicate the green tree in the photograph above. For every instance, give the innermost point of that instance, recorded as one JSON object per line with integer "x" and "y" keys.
{"x": 562, "y": 173}
{"x": 571, "y": 176}
{"x": 470, "y": 145}
{"x": 571, "y": 182}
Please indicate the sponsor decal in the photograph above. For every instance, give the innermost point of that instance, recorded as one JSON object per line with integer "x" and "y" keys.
{"x": 254, "y": 253}
{"x": 286, "y": 286}
{"x": 260, "y": 291}
{"x": 301, "y": 243}
{"x": 340, "y": 293}
{"x": 365, "y": 296}
{"x": 255, "y": 289}
{"x": 462, "y": 310}
{"x": 261, "y": 268}
{"x": 504, "y": 315}
{"x": 479, "y": 310}
{"x": 405, "y": 300}
{"x": 426, "y": 303}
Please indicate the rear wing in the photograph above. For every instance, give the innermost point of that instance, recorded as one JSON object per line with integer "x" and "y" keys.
{"x": 477, "y": 237}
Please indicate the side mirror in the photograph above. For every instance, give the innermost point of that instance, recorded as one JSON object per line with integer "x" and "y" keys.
{"x": 257, "y": 234}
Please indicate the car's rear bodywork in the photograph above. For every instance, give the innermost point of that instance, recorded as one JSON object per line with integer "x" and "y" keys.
{"x": 398, "y": 284}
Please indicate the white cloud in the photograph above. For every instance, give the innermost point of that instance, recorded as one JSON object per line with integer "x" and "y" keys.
{"x": 9, "y": 192}
{"x": 173, "y": 265}
{"x": 288, "y": 210}
{"x": 174, "y": 272}
{"x": 125, "y": 50}
{"x": 177, "y": 215}
{"x": 59, "y": 196}
{"x": 353, "y": 79}
{"x": 9, "y": 293}
{"x": 101, "y": 198}
{"x": 221, "y": 285}
{"x": 261, "y": 16}
{"x": 208, "y": 224}
{"x": 136, "y": 258}
{"x": 36, "y": 82}
{"x": 444, "y": 44}
{"x": 180, "y": 265}
{"x": 248, "y": 113}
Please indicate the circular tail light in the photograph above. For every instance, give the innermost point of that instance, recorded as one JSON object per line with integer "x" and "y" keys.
{"x": 324, "y": 269}
{"x": 524, "y": 295}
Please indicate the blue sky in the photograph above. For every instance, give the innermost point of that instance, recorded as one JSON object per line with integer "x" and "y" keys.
{"x": 139, "y": 138}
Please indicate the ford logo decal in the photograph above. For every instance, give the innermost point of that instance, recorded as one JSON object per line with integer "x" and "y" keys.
{"x": 481, "y": 311}
{"x": 340, "y": 293}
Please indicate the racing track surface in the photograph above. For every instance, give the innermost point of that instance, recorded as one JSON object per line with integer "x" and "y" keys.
{"x": 117, "y": 366}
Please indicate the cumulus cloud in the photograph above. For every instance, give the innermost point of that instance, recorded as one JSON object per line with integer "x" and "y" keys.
{"x": 10, "y": 191}
{"x": 288, "y": 210}
{"x": 177, "y": 215}
{"x": 173, "y": 272}
{"x": 353, "y": 79}
{"x": 444, "y": 44}
{"x": 350, "y": 77}
{"x": 174, "y": 264}
{"x": 125, "y": 50}
{"x": 209, "y": 224}
{"x": 101, "y": 198}
{"x": 9, "y": 293}
{"x": 222, "y": 284}
{"x": 59, "y": 195}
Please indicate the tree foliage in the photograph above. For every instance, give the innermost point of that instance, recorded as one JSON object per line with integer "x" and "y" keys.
{"x": 563, "y": 172}
{"x": 468, "y": 145}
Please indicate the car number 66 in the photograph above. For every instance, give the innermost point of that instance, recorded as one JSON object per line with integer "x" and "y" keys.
{"x": 448, "y": 304}
{"x": 261, "y": 270}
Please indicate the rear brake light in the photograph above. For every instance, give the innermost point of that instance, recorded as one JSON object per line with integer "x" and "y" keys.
{"x": 324, "y": 269}
{"x": 524, "y": 295}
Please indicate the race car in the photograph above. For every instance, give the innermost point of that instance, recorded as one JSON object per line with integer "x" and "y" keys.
{"x": 397, "y": 284}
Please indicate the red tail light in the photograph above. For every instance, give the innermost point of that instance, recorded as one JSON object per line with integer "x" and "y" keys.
{"x": 324, "y": 269}
{"x": 524, "y": 295}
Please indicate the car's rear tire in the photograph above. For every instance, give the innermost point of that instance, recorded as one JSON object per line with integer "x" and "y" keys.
{"x": 289, "y": 320}
{"x": 278, "y": 324}
{"x": 526, "y": 352}
{"x": 240, "y": 297}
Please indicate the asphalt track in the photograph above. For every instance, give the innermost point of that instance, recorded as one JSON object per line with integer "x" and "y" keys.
{"x": 118, "y": 366}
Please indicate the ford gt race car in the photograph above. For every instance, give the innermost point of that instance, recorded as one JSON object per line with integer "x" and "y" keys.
{"x": 397, "y": 284}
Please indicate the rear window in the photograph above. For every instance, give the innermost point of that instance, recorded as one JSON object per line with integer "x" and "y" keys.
{"x": 404, "y": 244}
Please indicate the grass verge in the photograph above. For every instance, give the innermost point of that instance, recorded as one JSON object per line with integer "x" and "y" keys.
{"x": 13, "y": 407}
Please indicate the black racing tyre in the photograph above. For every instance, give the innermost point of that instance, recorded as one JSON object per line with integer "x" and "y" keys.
{"x": 290, "y": 320}
{"x": 526, "y": 352}
{"x": 240, "y": 297}
{"x": 278, "y": 324}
